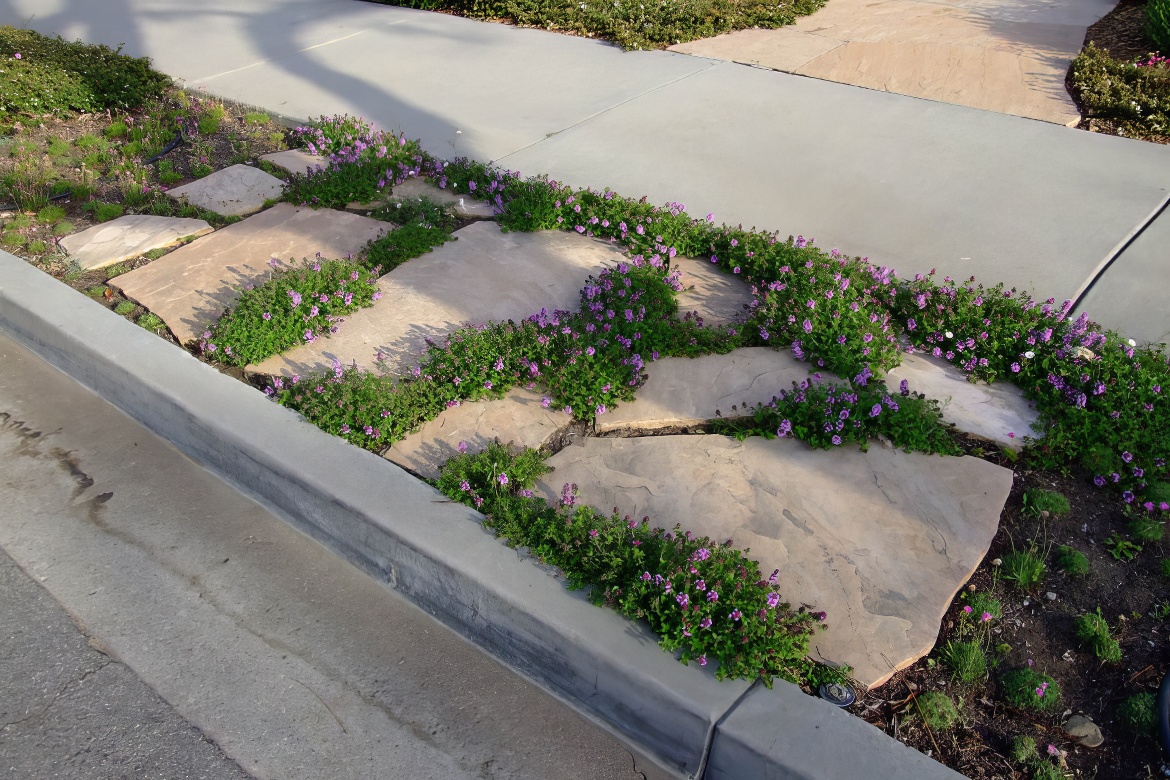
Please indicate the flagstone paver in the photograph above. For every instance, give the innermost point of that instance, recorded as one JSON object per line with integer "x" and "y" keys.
{"x": 190, "y": 287}
{"x": 715, "y": 295}
{"x": 483, "y": 276}
{"x": 294, "y": 160}
{"x": 880, "y": 541}
{"x": 463, "y": 205}
{"x": 998, "y": 412}
{"x": 1009, "y": 56}
{"x": 129, "y": 236}
{"x": 233, "y": 191}
{"x": 687, "y": 391}
{"x": 518, "y": 418}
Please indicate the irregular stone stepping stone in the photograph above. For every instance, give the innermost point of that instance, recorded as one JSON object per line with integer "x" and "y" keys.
{"x": 294, "y": 160}
{"x": 484, "y": 276}
{"x": 462, "y": 204}
{"x": 517, "y": 418}
{"x": 880, "y": 541}
{"x": 717, "y": 296}
{"x": 232, "y": 192}
{"x": 130, "y": 236}
{"x": 688, "y": 391}
{"x": 983, "y": 410}
{"x": 190, "y": 287}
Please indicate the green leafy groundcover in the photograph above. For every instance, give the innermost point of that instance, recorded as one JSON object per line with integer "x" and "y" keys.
{"x": 1100, "y": 396}
{"x": 1134, "y": 95}
{"x": 40, "y": 75}
{"x": 706, "y": 601}
{"x": 634, "y": 24}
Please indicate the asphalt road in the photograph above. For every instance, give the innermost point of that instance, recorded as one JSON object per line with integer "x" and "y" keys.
{"x": 154, "y": 623}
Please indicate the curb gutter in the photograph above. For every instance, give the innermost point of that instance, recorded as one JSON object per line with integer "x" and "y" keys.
{"x": 436, "y": 553}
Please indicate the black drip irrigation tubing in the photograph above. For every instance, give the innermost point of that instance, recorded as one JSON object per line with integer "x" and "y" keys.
{"x": 1164, "y": 713}
{"x": 170, "y": 147}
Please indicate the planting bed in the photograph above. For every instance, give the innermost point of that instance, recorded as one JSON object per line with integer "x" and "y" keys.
{"x": 500, "y": 349}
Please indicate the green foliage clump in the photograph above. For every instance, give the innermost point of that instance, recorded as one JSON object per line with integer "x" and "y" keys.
{"x": 1092, "y": 629}
{"x": 104, "y": 212}
{"x": 1031, "y": 690}
{"x": 966, "y": 661}
{"x": 256, "y": 118}
{"x": 1121, "y": 548}
{"x": 936, "y": 710}
{"x": 707, "y": 602}
{"x": 1025, "y": 568}
{"x": 405, "y": 243}
{"x": 63, "y": 228}
{"x": 297, "y": 305}
{"x": 1158, "y": 24}
{"x": 125, "y": 307}
{"x": 1135, "y": 97}
{"x": 1038, "y": 501}
{"x": 1072, "y": 561}
{"x": 12, "y": 238}
{"x": 1139, "y": 713}
{"x": 1165, "y": 567}
{"x": 1024, "y": 751}
{"x": 53, "y": 75}
{"x": 152, "y": 322}
{"x": 51, "y": 215}
{"x": 984, "y": 607}
{"x": 37, "y": 247}
{"x": 654, "y": 24}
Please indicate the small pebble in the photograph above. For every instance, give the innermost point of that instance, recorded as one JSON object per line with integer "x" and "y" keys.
{"x": 1050, "y": 596}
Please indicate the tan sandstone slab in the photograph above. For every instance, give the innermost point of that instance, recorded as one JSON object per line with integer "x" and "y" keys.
{"x": 518, "y": 418}
{"x": 687, "y": 391}
{"x": 190, "y": 287}
{"x": 232, "y": 191}
{"x": 294, "y": 160}
{"x": 880, "y": 541}
{"x": 711, "y": 293}
{"x": 463, "y": 205}
{"x": 483, "y": 276}
{"x": 998, "y": 412}
{"x": 129, "y": 236}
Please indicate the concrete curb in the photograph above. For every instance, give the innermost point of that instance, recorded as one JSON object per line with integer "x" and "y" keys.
{"x": 437, "y": 554}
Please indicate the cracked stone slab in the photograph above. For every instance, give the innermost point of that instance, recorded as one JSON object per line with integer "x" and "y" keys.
{"x": 463, "y": 205}
{"x": 294, "y": 160}
{"x": 125, "y": 237}
{"x": 683, "y": 391}
{"x": 233, "y": 191}
{"x": 191, "y": 287}
{"x": 998, "y": 412}
{"x": 715, "y": 295}
{"x": 517, "y": 418}
{"x": 881, "y": 541}
{"x": 483, "y": 276}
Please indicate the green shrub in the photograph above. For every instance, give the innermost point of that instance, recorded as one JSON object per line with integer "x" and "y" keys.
{"x": 1165, "y": 567}
{"x": 1137, "y": 98}
{"x": 37, "y": 247}
{"x": 1092, "y": 629}
{"x": 51, "y": 215}
{"x": 1139, "y": 713}
{"x": 54, "y": 75}
{"x": 1038, "y": 501}
{"x": 966, "y": 661}
{"x": 1045, "y": 770}
{"x": 1024, "y": 567}
{"x": 116, "y": 130}
{"x": 405, "y": 243}
{"x": 1031, "y": 690}
{"x": 63, "y": 228}
{"x": 981, "y": 603}
{"x": 12, "y": 238}
{"x": 256, "y": 118}
{"x": 210, "y": 119}
{"x": 297, "y": 305}
{"x": 125, "y": 307}
{"x": 1158, "y": 24}
{"x": 936, "y": 710}
{"x": 104, "y": 212}
{"x": 1023, "y": 751}
{"x": 152, "y": 322}
{"x": 1121, "y": 548}
{"x": 1146, "y": 528}
{"x": 1071, "y": 560}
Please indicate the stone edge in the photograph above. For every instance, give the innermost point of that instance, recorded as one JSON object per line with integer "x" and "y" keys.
{"x": 408, "y": 536}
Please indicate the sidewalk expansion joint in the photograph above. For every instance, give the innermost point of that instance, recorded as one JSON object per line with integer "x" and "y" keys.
{"x": 1117, "y": 252}
{"x": 710, "y": 741}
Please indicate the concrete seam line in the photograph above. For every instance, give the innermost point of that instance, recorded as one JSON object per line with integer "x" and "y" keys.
{"x": 1116, "y": 252}
{"x": 702, "y": 770}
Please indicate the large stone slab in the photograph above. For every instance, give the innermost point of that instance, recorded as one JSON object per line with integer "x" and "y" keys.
{"x": 998, "y": 412}
{"x": 461, "y": 203}
{"x": 190, "y": 287}
{"x": 232, "y": 191}
{"x": 483, "y": 276}
{"x": 517, "y": 418}
{"x": 687, "y": 391}
{"x": 880, "y": 541}
{"x": 294, "y": 160}
{"x": 711, "y": 293}
{"x": 129, "y": 236}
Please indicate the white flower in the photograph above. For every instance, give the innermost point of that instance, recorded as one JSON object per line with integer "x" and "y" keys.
{"x": 1132, "y": 343}
{"x": 949, "y": 335}
{"x": 1029, "y": 354}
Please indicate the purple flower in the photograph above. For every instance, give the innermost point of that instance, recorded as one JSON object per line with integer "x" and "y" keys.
{"x": 462, "y": 447}
{"x": 735, "y": 614}
{"x": 703, "y": 660}
{"x": 773, "y": 599}
{"x": 967, "y": 609}
{"x": 713, "y": 596}
{"x": 1127, "y": 457}
{"x": 546, "y": 402}
{"x": 267, "y": 316}
{"x": 837, "y": 440}
{"x": 700, "y": 585}
{"x": 705, "y": 623}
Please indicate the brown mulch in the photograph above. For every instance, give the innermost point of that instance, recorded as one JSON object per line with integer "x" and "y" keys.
{"x": 1121, "y": 32}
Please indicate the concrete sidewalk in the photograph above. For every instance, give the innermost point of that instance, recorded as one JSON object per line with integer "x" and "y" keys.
{"x": 911, "y": 183}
